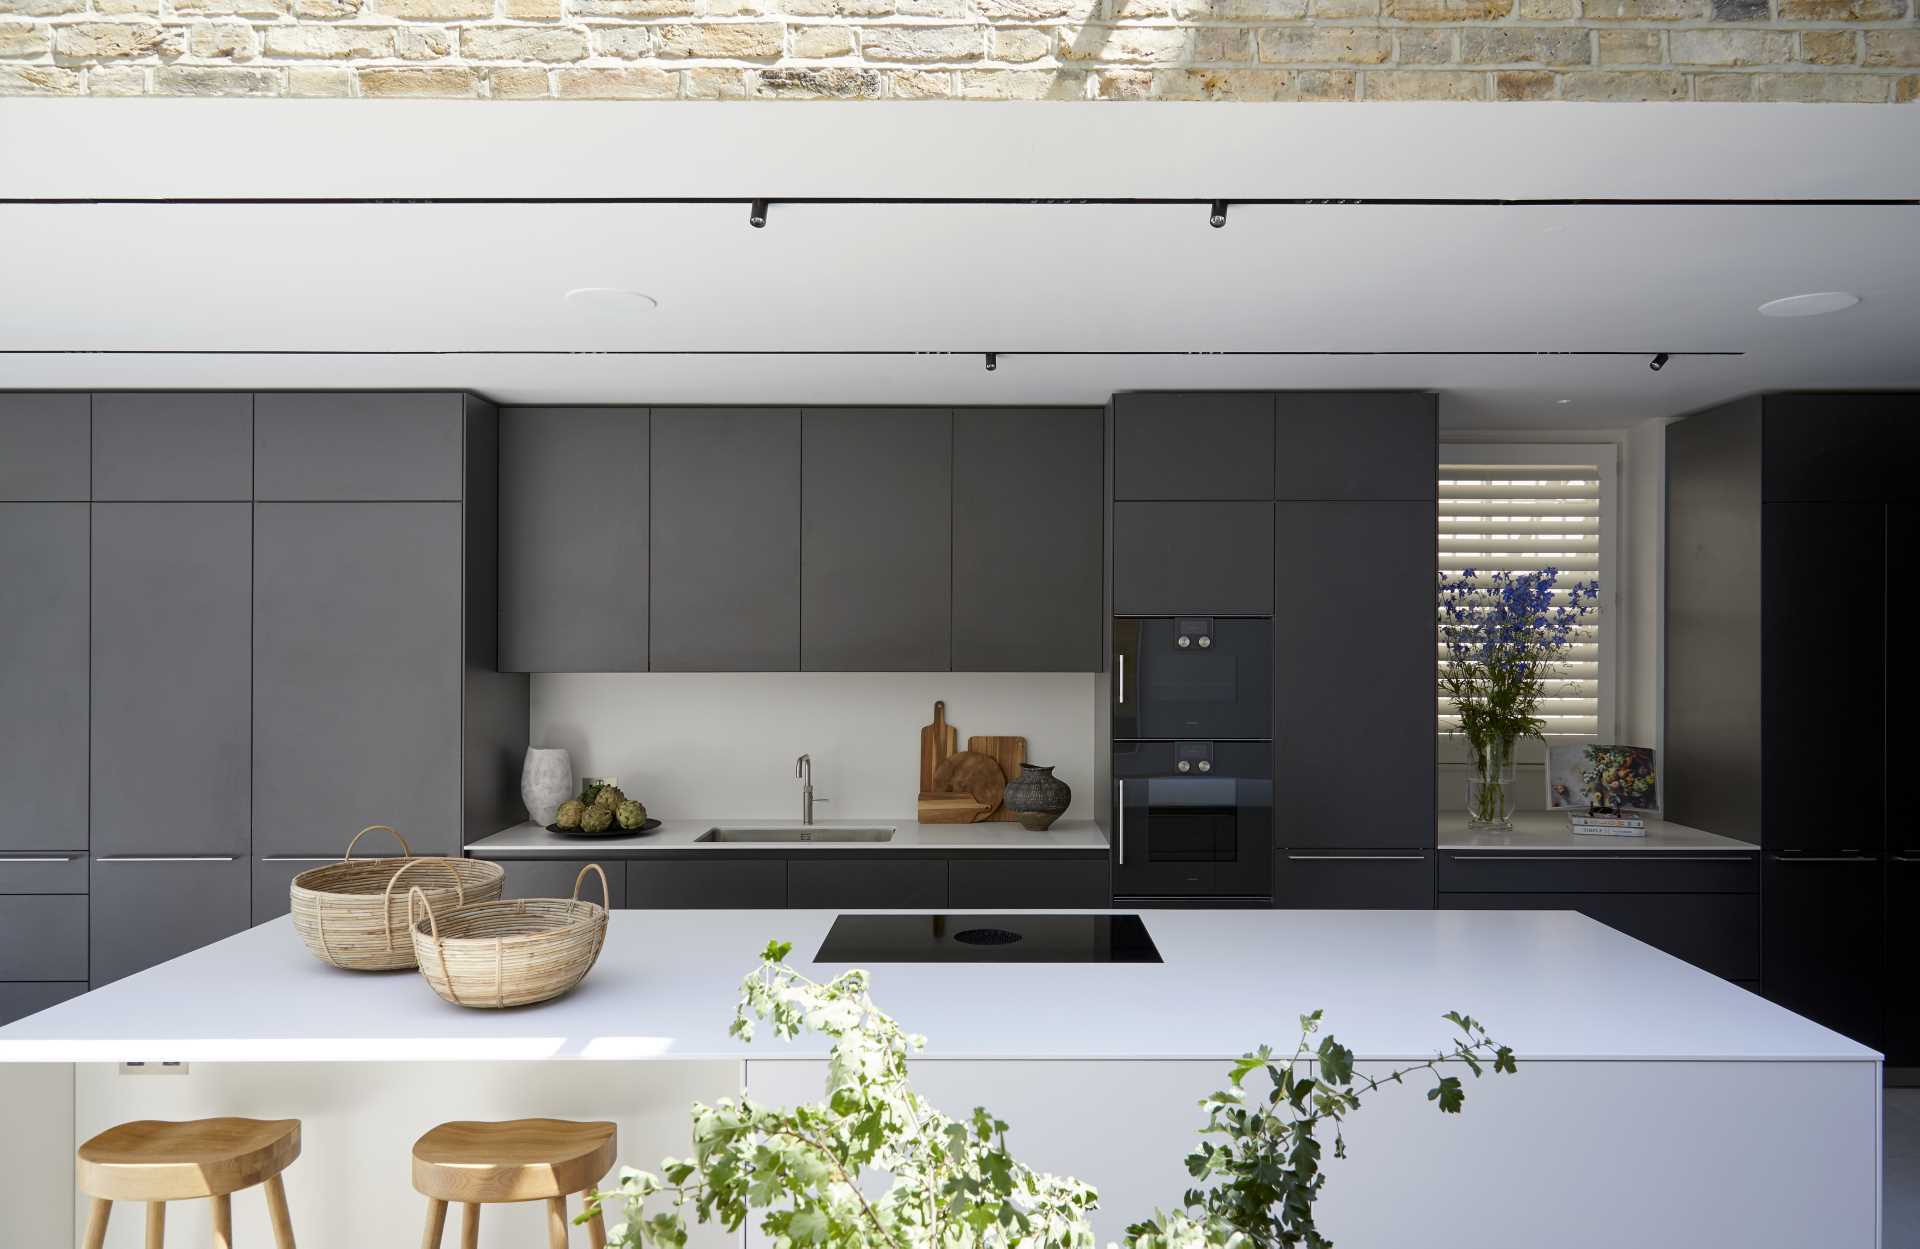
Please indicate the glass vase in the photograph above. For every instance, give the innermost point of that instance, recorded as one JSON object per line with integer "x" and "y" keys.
{"x": 1490, "y": 779}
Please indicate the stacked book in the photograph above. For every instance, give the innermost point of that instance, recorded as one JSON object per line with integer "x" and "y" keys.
{"x": 1609, "y": 825}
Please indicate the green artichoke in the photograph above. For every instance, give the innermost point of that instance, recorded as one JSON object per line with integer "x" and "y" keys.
{"x": 609, "y": 797}
{"x": 597, "y": 820}
{"x": 569, "y": 814}
{"x": 631, "y": 814}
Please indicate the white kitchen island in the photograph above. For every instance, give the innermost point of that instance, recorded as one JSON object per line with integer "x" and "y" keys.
{"x": 1654, "y": 1106}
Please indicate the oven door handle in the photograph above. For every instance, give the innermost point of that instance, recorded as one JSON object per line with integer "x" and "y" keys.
{"x": 1123, "y": 822}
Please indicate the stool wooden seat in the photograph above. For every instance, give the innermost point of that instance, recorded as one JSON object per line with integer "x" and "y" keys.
{"x": 478, "y": 1164}
{"x": 155, "y": 1161}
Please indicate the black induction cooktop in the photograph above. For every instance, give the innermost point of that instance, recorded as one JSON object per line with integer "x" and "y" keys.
{"x": 988, "y": 939}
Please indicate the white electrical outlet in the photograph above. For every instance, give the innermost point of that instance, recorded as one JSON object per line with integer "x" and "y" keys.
{"x": 153, "y": 1069}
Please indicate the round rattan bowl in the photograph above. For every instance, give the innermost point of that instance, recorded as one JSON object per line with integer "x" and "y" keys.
{"x": 514, "y": 953}
{"x": 349, "y": 914}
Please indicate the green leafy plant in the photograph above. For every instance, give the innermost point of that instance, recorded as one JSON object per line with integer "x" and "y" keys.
{"x": 953, "y": 1182}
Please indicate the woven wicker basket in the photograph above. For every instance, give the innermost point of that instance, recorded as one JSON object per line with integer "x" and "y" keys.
{"x": 349, "y": 915}
{"x": 515, "y": 953}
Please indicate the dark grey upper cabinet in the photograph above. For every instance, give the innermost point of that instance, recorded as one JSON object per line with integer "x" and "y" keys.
{"x": 173, "y": 446}
{"x": 1170, "y": 445}
{"x": 145, "y": 913}
{"x": 1370, "y": 567}
{"x": 172, "y": 663}
{"x": 43, "y": 447}
{"x": 43, "y": 675}
{"x": 573, "y": 539}
{"x": 1027, "y": 545}
{"x": 342, "y": 445}
{"x": 357, "y": 674}
{"x": 1195, "y": 559}
{"x": 1840, "y": 447}
{"x": 876, "y": 539}
{"x": 1355, "y": 445}
{"x": 726, "y": 540}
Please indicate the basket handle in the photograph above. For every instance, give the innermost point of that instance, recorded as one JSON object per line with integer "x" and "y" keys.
{"x": 606, "y": 894}
{"x": 405, "y": 849}
{"x": 386, "y": 904}
{"x": 433, "y": 924}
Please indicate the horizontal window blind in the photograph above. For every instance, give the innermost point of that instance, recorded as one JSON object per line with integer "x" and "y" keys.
{"x": 1523, "y": 518}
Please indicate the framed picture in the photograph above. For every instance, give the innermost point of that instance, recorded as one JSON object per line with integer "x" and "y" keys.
{"x": 1581, "y": 774}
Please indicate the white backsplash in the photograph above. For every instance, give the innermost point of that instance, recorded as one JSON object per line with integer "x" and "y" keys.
{"x": 722, "y": 745}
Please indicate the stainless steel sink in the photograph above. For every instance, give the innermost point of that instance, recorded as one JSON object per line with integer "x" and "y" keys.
{"x": 796, "y": 834}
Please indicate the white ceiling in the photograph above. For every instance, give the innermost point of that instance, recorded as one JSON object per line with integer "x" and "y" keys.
{"x": 174, "y": 293}
{"x": 215, "y": 279}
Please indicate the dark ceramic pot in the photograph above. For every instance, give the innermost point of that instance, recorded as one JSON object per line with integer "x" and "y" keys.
{"x": 1036, "y": 796}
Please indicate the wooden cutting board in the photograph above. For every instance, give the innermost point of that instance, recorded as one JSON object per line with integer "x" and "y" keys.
{"x": 950, "y": 808}
{"x": 938, "y": 742}
{"x": 975, "y": 775}
{"x": 1009, "y": 753}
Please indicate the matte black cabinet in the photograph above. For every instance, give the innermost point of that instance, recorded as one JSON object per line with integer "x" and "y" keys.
{"x": 43, "y": 448}
{"x": 172, "y": 672}
{"x": 1824, "y": 939}
{"x": 876, "y": 512}
{"x": 1027, "y": 544}
{"x": 1344, "y": 878}
{"x": 706, "y": 884}
{"x": 43, "y": 679}
{"x": 574, "y": 539}
{"x": 1193, "y": 559}
{"x": 146, "y": 912}
{"x": 555, "y": 878}
{"x": 726, "y": 540}
{"x": 1355, "y": 445}
{"x": 829, "y": 884}
{"x": 340, "y": 445}
{"x": 1840, "y": 447}
{"x": 190, "y": 446}
{"x": 43, "y": 937}
{"x": 1181, "y": 445}
{"x": 1370, "y": 569}
{"x": 357, "y": 674}
{"x": 1024, "y": 882}
{"x": 1903, "y": 956}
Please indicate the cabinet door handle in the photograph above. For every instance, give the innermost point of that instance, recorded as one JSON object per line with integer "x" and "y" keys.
{"x": 1123, "y": 822}
{"x": 295, "y": 858}
{"x": 1654, "y": 856}
{"x": 170, "y": 858}
{"x": 39, "y": 858}
{"x": 1356, "y": 858}
{"x": 1906, "y": 858}
{"x": 1123, "y": 678}
{"x": 1822, "y": 858}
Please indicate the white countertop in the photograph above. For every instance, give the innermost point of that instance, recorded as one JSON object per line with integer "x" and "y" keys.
{"x": 1553, "y": 984}
{"x": 1549, "y": 831}
{"x": 533, "y": 841}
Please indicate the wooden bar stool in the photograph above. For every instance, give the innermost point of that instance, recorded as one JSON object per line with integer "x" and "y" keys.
{"x": 157, "y": 1162}
{"x": 522, "y": 1160}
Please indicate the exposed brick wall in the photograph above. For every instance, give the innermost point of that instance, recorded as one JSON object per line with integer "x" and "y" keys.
{"x": 1856, "y": 51}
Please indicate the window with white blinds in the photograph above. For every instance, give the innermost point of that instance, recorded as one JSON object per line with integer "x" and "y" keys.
{"x": 1525, "y": 508}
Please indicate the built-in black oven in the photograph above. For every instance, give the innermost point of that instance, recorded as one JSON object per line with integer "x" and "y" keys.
{"x": 1192, "y": 678}
{"x": 1192, "y": 820}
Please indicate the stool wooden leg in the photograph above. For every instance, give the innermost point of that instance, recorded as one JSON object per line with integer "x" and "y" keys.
{"x": 277, "y": 1211}
{"x": 156, "y": 1225}
{"x": 97, "y": 1215}
{"x": 222, "y": 1220}
{"x": 557, "y": 1222}
{"x": 596, "y": 1228}
{"x": 470, "y": 1225}
{"x": 436, "y": 1224}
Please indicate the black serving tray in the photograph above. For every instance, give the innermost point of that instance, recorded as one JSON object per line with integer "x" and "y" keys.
{"x": 614, "y": 831}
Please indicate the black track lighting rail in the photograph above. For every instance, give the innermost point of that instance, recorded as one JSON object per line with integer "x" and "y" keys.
{"x": 757, "y": 207}
{"x": 992, "y": 358}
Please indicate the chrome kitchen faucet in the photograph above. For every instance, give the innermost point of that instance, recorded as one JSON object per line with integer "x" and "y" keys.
{"x": 803, "y": 769}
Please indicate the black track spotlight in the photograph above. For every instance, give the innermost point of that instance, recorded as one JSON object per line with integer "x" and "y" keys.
{"x": 993, "y": 361}
{"x": 1659, "y": 362}
{"x": 757, "y": 215}
{"x": 1218, "y": 217}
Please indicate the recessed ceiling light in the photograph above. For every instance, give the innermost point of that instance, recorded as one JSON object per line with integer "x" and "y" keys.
{"x": 611, "y": 297}
{"x": 1563, "y": 401}
{"x": 1816, "y": 304}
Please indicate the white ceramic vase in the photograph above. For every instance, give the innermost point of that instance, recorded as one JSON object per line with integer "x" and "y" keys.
{"x": 546, "y": 781}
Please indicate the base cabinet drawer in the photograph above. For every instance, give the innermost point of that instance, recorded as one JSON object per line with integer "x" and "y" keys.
{"x": 554, "y": 878}
{"x": 43, "y": 873}
{"x": 1473, "y": 872}
{"x": 1354, "y": 879}
{"x": 43, "y": 937}
{"x": 20, "y": 999}
{"x": 705, "y": 884}
{"x": 146, "y": 911}
{"x": 1716, "y": 932}
{"x": 1024, "y": 883}
{"x": 905, "y": 884}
